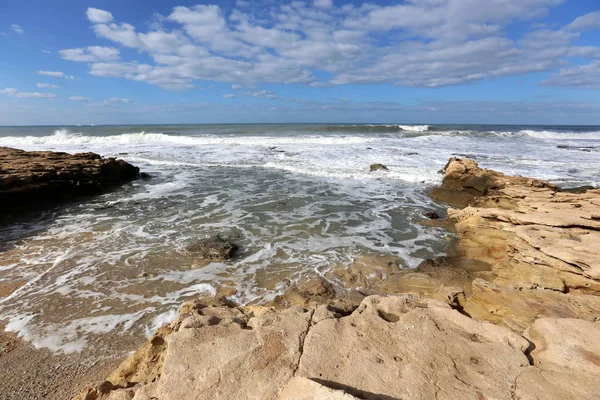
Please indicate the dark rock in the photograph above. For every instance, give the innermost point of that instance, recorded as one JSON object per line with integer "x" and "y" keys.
{"x": 431, "y": 215}
{"x": 145, "y": 175}
{"x": 378, "y": 167}
{"x": 36, "y": 178}
{"x": 214, "y": 248}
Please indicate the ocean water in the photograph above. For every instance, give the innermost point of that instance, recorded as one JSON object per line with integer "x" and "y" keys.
{"x": 297, "y": 198}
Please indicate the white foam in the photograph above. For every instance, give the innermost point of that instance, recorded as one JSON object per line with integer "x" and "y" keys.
{"x": 414, "y": 128}
{"x": 160, "y": 320}
{"x": 63, "y": 137}
{"x": 561, "y": 135}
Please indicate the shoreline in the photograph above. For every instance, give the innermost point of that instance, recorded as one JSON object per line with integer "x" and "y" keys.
{"x": 503, "y": 279}
{"x": 531, "y": 325}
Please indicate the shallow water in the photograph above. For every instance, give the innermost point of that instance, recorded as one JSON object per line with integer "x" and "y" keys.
{"x": 297, "y": 199}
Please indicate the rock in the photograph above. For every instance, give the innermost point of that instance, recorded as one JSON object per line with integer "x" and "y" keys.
{"x": 299, "y": 388}
{"x": 539, "y": 240}
{"x": 397, "y": 347}
{"x": 378, "y": 167}
{"x": 311, "y": 292}
{"x": 464, "y": 180}
{"x": 364, "y": 272}
{"x": 214, "y": 248}
{"x": 145, "y": 175}
{"x": 515, "y": 315}
{"x": 431, "y": 215}
{"x": 35, "y": 178}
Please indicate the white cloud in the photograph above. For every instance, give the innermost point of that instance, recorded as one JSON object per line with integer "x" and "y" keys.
{"x": 46, "y": 51}
{"x": 48, "y": 86}
{"x": 118, "y": 100}
{"x": 98, "y": 16}
{"x": 57, "y": 74}
{"x": 17, "y": 28}
{"x": 429, "y": 43}
{"x": 25, "y": 95}
{"x": 90, "y": 54}
{"x": 323, "y": 3}
{"x": 79, "y": 98}
{"x": 262, "y": 94}
{"x": 586, "y": 22}
{"x": 235, "y": 86}
{"x": 229, "y": 96}
{"x": 582, "y": 76}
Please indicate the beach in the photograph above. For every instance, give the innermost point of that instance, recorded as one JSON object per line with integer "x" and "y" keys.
{"x": 92, "y": 279}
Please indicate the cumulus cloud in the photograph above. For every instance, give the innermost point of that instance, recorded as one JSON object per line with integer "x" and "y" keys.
{"x": 57, "y": 74}
{"x": 48, "y": 86}
{"x": 79, "y": 98}
{"x": 26, "y": 95}
{"x": 586, "y": 22}
{"x": 90, "y": 54}
{"x": 98, "y": 16}
{"x": 430, "y": 43}
{"x": 17, "y": 28}
{"x": 581, "y": 76}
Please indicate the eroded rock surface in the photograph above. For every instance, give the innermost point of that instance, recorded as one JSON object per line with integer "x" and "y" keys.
{"x": 30, "y": 178}
{"x": 396, "y": 347}
{"x": 540, "y": 241}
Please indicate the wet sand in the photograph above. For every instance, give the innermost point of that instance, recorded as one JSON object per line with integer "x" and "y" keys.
{"x": 29, "y": 373}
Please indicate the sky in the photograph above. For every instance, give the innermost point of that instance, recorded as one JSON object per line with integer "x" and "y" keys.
{"x": 236, "y": 61}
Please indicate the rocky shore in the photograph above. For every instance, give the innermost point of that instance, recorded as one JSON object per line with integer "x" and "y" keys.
{"x": 38, "y": 178}
{"x": 513, "y": 315}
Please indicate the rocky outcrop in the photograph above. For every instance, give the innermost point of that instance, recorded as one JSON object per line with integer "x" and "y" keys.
{"x": 397, "y": 347}
{"x": 34, "y": 178}
{"x": 515, "y": 314}
{"x": 539, "y": 241}
{"x": 464, "y": 180}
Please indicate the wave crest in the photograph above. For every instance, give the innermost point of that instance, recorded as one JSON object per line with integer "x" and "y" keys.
{"x": 414, "y": 128}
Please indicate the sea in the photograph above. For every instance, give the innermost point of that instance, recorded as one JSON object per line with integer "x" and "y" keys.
{"x": 299, "y": 199}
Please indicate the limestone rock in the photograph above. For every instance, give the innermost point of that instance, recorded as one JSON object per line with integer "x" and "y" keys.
{"x": 34, "y": 178}
{"x": 299, "y": 388}
{"x": 464, "y": 180}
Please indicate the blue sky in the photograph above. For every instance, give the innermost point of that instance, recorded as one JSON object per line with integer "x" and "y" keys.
{"x": 416, "y": 61}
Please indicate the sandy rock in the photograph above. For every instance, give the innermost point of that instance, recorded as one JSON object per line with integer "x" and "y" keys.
{"x": 396, "y": 347}
{"x": 567, "y": 360}
{"x": 214, "y": 248}
{"x": 299, "y": 388}
{"x": 399, "y": 347}
{"x": 29, "y": 178}
{"x": 518, "y": 308}
{"x": 311, "y": 292}
{"x": 464, "y": 180}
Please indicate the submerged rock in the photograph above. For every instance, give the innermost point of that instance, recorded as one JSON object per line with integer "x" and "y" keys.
{"x": 378, "y": 167}
{"x": 36, "y": 178}
{"x": 431, "y": 215}
{"x": 213, "y": 248}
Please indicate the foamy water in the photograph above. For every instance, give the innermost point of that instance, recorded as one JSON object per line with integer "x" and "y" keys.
{"x": 297, "y": 199}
